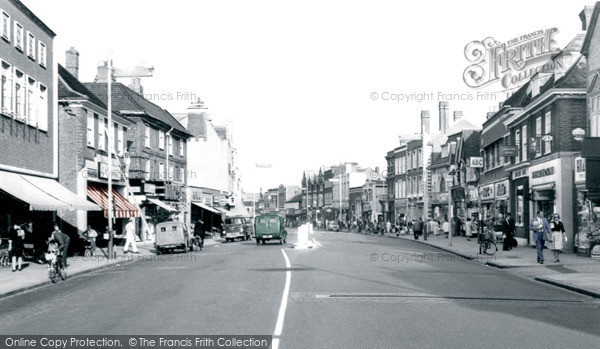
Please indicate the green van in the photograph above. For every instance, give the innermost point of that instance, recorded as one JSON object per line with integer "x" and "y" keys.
{"x": 269, "y": 227}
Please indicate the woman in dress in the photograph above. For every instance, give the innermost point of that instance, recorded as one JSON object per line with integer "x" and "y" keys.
{"x": 469, "y": 229}
{"x": 558, "y": 236}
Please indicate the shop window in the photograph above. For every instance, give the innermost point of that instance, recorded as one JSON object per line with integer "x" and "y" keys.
{"x": 520, "y": 206}
{"x": 548, "y": 131}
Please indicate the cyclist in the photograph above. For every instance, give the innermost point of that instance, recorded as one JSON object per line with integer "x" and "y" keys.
{"x": 63, "y": 241}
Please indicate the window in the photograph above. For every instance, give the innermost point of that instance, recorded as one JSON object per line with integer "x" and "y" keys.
{"x": 43, "y": 108}
{"x": 181, "y": 147}
{"x": 180, "y": 174}
{"x": 524, "y": 140}
{"x": 19, "y": 95}
{"x": 161, "y": 139}
{"x": 42, "y": 54}
{"x": 538, "y": 133}
{"x": 147, "y": 136}
{"x": 548, "y": 131}
{"x": 18, "y": 40}
{"x": 170, "y": 145}
{"x": 7, "y": 89}
{"x": 161, "y": 170}
{"x": 120, "y": 131}
{"x": 91, "y": 130}
{"x": 518, "y": 144}
{"x": 171, "y": 168}
{"x": 147, "y": 174}
{"x": 30, "y": 45}
{"x": 101, "y": 134}
{"x": 5, "y": 25}
{"x": 32, "y": 102}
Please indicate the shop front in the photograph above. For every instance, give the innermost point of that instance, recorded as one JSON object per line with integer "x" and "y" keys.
{"x": 519, "y": 199}
{"x": 552, "y": 192}
{"x": 488, "y": 208}
{"x": 439, "y": 206}
{"x": 122, "y": 209}
{"x": 501, "y": 204}
{"x": 34, "y": 202}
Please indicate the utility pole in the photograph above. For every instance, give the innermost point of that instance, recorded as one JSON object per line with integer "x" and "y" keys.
{"x": 116, "y": 73}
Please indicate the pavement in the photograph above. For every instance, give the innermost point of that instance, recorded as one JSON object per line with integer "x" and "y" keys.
{"x": 576, "y": 273}
{"x": 349, "y": 291}
{"x": 34, "y": 275}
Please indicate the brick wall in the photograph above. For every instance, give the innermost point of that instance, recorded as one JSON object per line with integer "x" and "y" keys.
{"x": 568, "y": 114}
{"x": 21, "y": 145}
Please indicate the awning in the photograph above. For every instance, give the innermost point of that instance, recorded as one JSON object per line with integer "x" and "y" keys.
{"x": 122, "y": 207}
{"x": 206, "y": 207}
{"x": 547, "y": 186}
{"x": 43, "y": 194}
{"x": 162, "y": 205}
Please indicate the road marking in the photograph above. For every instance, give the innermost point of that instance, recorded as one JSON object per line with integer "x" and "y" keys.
{"x": 316, "y": 242}
{"x": 284, "y": 301}
{"x": 167, "y": 268}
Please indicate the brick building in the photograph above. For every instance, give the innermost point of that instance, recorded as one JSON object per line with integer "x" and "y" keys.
{"x": 83, "y": 151}
{"x": 542, "y": 176}
{"x": 157, "y": 151}
{"x": 29, "y": 139}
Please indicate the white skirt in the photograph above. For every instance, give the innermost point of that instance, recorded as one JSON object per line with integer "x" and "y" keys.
{"x": 557, "y": 241}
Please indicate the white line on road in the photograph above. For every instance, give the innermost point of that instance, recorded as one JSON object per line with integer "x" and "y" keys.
{"x": 284, "y": 301}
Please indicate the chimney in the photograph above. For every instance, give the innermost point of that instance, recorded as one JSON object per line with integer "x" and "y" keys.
{"x": 425, "y": 122}
{"x": 197, "y": 119}
{"x": 102, "y": 73}
{"x": 457, "y": 115}
{"x": 443, "y": 109}
{"x": 136, "y": 85}
{"x": 585, "y": 15}
{"x": 72, "y": 62}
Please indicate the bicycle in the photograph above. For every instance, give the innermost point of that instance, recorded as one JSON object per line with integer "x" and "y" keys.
{"x": 4, "y": 259}
{"x": 487, "y": 245}
{"x": 55, "y": 267}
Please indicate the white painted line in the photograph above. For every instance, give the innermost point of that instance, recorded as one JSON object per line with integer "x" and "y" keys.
{"x": 316, "y": 242}
{"x": 168, "y": 268}
{"x": 284, "y": 301}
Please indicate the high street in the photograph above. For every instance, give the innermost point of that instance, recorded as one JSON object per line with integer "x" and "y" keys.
{"x": 350, "y": 290}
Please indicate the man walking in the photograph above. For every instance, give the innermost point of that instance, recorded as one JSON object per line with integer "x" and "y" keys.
{"x": 418, "y": 228}
{"x": 540, "y": 228}
{"x": 130, "y": 237}
{"x": 508, "y": 230}
{"x": 199, "y": 232}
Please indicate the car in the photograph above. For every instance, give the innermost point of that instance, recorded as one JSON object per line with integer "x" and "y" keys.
{"x": 237, "y": 227}
{"x": 333, "y": 226}
{"x": 172, "y": 235}
{"x": 269, "y": 227}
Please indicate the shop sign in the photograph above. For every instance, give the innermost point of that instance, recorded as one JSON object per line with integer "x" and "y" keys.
{"x": 149, "y": 188}
{"x": 509, "y": 151}
{"x": 173, "y": 192}
{"x": 440, "y": 197}
{"x": 543, "y": 172}
{"x": 519, "y": 173}
{"x": 476, "y": 162}
{"x": 579, "y": 169}
{"x": 487, "y": 192}
{"x": 473, "y": 196}
{"x": 502, "y": 189}
{"x": 471, "y": 175}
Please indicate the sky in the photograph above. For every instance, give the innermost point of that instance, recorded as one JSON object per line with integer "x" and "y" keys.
{"x": 302, "y": 84}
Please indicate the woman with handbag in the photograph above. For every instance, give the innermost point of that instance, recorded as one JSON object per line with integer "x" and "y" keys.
{"x": 558, "y": 236}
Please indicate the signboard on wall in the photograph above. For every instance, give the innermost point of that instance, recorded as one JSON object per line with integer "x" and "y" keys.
{"x": 476, "y": 162}
{"x": 510, "y": 151}
{"x": 501, "y": 190}
{"x": 487, "y": 192}
{"x": 579, "y": 169}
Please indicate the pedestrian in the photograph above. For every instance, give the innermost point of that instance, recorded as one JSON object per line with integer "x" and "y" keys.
{"x": 446, "y": 227}
{"x": 199, "y": 232}
{"x": 130, "y": 237}
{"x": 16, "y": 247}
{"x": 90, "y": 234}
{"x": 388, "y": 227}
{"x": 63, "y": 240}
{"x": 558, "y": 236}
{"x": 469, "y": 229}
{"x": 508, "y": 230}
{"x": 540, "y": 228}
{"x": 417, "y": 228}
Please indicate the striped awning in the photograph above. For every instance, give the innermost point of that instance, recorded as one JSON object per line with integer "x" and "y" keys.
{"x": 122, "y": 208}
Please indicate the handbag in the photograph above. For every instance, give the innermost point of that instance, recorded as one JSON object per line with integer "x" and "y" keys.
{"x": 549, "y": 237}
